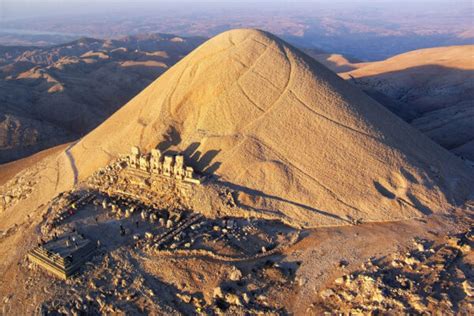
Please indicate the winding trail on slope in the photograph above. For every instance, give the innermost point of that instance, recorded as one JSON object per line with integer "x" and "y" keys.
{"x": 72, "y": 161}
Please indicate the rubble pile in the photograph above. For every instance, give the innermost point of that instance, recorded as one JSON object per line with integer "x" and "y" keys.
{"x": 117, "y": 179}
{"x": 121, "y": 191}
{"x": 246, "y": 292}
{"x": 429, "y": 277}
{"x": 114, "y": 287}
{"x": 228, "y": 239}
{"x": 16, "y": 189}
{"x": 127, "y": 214}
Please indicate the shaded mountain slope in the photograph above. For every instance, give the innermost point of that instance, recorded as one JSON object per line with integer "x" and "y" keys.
{"x": 433, "y": 89}
{"x": 56, "y": 94}
{"x": 336, "y": 62}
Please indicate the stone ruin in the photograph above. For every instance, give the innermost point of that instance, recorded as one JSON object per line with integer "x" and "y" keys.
{"x": 165, "y": 165}
{"x": 63, "y": 256}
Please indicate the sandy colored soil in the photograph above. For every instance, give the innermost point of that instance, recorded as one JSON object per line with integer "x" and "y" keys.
{"x": 9, "y": 170}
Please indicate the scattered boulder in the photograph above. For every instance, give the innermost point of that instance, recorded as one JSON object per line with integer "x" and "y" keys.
{"x": 468, "y": 288}
{"x": 339, "y": 281}
{"x": 246, "y": 298}
{"x": 184, "y": 297}
{"x": 218, "y": 292}
{"x": 326, "y": 293}
{"x": 233, "y": 299}
{"x": 235, "y": 275}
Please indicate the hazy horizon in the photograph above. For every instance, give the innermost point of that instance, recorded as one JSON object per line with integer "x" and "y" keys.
{"x": 12, "y": 9}
{"x": 365, "y": 29}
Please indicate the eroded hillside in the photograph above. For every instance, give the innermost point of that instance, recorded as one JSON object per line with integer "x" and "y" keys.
{"x": 57, "y": 94}
{"x": 432, "y": 89}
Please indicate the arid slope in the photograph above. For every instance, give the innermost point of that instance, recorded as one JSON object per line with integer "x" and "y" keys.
{"x": 336, "y": 62}
{"x": 57, "y": 94}
{"x": 432, "y": 88}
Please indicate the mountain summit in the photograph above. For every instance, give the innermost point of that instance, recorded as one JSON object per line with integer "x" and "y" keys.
{"x": 289, "y": 136}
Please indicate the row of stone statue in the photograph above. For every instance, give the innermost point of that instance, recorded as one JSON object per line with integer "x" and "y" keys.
{"x": 166, "y": 165}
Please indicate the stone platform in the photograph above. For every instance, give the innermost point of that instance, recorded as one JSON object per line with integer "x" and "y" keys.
{"x": 63, "y": 256}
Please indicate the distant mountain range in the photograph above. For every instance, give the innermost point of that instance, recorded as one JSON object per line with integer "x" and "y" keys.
{"x": 52, "y": 95}
{"x": 433, "y": 89}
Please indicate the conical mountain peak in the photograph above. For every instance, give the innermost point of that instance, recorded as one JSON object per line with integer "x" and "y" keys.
{"x": 290, "y": 137}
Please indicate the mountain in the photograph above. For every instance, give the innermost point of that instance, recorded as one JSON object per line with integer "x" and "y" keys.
{"x": 283, "y": 131}
{"x": 56, "y": 94}
{"x": 336, "y": 62}
{"x": 313, "y": 191}
{"x": 433, "y": 89}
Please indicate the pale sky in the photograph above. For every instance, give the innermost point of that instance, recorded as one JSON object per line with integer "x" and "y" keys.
{"x": 10, "y": 9}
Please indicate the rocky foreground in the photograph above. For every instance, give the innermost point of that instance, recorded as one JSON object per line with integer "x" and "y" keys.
{"x": 432, "y": 276}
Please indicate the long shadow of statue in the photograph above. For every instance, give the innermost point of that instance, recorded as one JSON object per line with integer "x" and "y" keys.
{"x": 171, "y": 138}
{"x": 203, "y": 162}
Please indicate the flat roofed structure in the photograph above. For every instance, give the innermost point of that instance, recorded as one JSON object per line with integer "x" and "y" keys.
{"x": 63, "y": 256}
